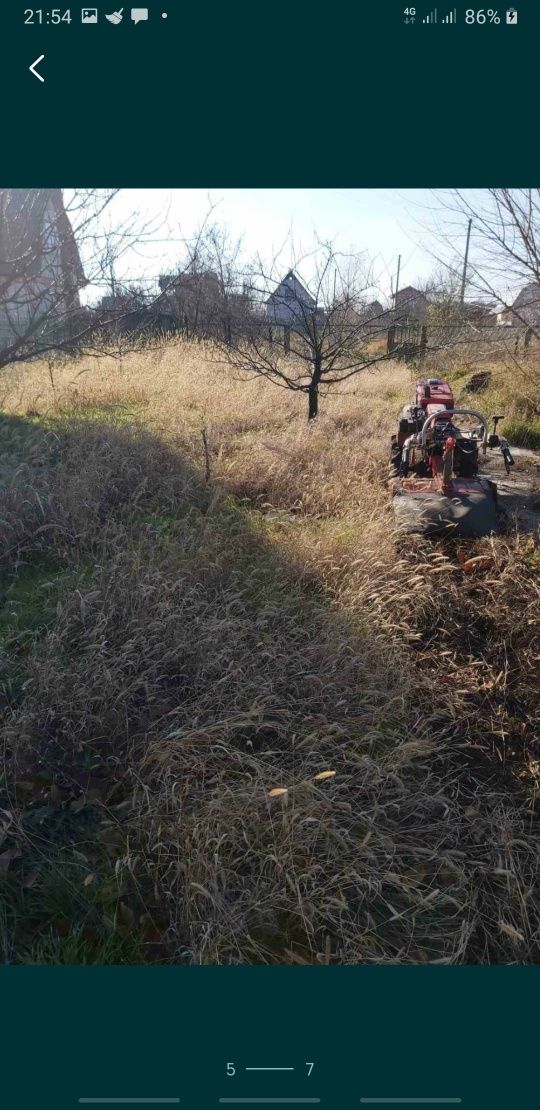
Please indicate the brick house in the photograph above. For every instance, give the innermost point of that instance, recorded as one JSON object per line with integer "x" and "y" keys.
{"x": 40, "y": 268}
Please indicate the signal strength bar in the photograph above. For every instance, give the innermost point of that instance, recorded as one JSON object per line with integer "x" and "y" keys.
{"x": 451, "y": 17}
{"x": 431, "y": 18}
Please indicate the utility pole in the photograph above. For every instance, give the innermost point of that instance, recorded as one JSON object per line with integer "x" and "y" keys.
{"x": 466, "y": 259}
{"x": 397, "y": 279}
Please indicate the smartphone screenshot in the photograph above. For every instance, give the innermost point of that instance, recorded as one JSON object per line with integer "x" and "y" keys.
{"x": 269, "y": 556}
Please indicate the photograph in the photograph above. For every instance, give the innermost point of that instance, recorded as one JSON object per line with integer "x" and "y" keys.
{"x": 269, "y": 589}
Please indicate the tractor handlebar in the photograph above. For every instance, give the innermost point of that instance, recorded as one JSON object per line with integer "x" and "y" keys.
{"x": 455, "y": 412}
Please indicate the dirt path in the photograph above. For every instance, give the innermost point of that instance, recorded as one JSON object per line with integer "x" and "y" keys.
{"x": 519, "y": 491}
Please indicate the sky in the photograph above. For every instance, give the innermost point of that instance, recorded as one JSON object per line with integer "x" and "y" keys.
{"x": 383, "y": 223}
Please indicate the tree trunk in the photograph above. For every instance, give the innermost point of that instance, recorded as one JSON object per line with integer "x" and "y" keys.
{"x": 313, "y": 395}
{"x": 313, "y": 391}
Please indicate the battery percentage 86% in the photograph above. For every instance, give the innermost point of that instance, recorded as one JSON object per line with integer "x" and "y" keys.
{"x": 482, "y": 15}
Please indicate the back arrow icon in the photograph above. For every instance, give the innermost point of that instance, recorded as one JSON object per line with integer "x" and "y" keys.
{"x": 33, "y": 69}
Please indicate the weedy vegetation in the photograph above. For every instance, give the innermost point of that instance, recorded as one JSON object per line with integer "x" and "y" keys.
{"x": 242, "y": 722}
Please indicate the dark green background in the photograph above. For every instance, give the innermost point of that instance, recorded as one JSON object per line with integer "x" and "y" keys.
{"x": 274, "y": 95}
{"x": 270, "y": 94}
{"x": 81, "y": 1032}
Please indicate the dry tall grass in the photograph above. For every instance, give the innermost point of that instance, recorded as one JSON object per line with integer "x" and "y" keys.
{"x": 257, "y": 730}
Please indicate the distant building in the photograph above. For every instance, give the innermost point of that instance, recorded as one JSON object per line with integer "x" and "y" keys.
{"x": 524, "y": 311}
{"x": 292, "y": 306}
{"x": 373, "y": 310}
{"x": 478, "y": 313}
{"x": 40, "y": 268}
{"x": 410, "y": 305}
{"x": 375, "y": 317}
{"x": 526, "y": 307}
{"x": 191, "y": 298}
{"x": 201, "y": 303}
{"x": 132, "y": 312}
{"x": 366, "y": 320}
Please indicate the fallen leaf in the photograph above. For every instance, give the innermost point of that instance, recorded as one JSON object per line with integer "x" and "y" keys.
{"x": 324, "y": 775}
{"x": 89, "y": 879}
{"x": 278, "y": 791}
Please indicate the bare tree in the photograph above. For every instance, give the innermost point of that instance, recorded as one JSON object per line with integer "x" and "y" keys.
{"x": 308, "y": 335}
{"x": 505, "y": 246}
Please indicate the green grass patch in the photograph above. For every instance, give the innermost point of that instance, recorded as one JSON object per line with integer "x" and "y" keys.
{"x": 167, "y": 525}
{"x": 522, "y": 434}
{"x": 29, "y": 597}
{"x": 57, "y": 909}
{"x": 117, "y": 412}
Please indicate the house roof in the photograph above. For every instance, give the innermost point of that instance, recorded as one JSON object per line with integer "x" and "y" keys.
{"x": 529, "y": 295}
{"x": 291, "y": 288}
{"x": 408, "y": 289}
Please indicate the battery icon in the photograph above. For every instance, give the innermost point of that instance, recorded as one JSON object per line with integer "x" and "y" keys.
{"x": 511, "y": 15}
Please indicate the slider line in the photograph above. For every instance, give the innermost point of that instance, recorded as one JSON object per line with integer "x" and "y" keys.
{"x": 128, "y": 1101}
{"x": 411, "y": 1101}
{"x": 283, "y": 1101}
{"x": 269, "y": 1069}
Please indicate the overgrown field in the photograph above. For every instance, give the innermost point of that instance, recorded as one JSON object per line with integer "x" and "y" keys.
{"x": 241, "y": 723}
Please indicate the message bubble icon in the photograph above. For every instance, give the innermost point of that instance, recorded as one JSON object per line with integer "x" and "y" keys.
{"x": 139, "y": 15}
